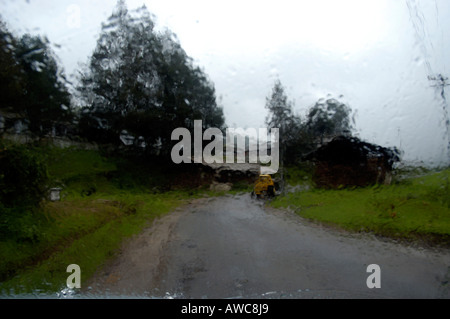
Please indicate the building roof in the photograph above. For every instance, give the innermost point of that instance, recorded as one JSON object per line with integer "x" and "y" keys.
{"x": 348, "y": 150}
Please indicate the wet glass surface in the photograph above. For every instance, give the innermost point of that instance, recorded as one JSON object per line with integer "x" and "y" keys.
{"x": 367, "y": 77}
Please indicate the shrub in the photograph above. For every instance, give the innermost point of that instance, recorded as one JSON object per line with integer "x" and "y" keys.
{"x": 23, "y": 176}
{"x": 23, "y": 179}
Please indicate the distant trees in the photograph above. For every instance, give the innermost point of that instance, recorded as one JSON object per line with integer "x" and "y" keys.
{"x": 138, "y": 80}
{"x": 45, "y": 99}
{"x": 31, "y": 83}
{"x": 327, "y": 118}
{"x": 282, "y": 117}
{"x": 143, "y": 82}
{"x": 11, "y": 75}
{"x": 280, "y": 113}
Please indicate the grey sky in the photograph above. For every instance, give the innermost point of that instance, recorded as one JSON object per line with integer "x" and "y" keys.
{"x": 367, "y": 51}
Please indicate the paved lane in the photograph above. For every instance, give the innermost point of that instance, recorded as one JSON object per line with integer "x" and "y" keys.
{"x": 232, "y": 247}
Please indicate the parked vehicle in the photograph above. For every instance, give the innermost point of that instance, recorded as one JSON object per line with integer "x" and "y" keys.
{"x": 264, "y": 187}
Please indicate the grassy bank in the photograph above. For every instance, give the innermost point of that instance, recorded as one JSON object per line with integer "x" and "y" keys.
{"x": 103, "y": 201}
{"x": 409, "y": 209}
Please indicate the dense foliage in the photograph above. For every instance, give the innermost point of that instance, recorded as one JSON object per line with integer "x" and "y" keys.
{"x": 23, "y": 185}
{"x": 32, "y": 86}
{"x": 326, "y": 118}
{"x": 143, "y": 83}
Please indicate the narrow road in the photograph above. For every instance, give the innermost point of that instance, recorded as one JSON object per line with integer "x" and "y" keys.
{"x": 233, "y": 247}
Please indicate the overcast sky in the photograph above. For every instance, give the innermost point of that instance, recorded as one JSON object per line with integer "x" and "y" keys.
{"x": 372, "y": 53}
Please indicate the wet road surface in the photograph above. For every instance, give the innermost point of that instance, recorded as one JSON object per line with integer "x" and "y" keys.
{"x": 233, "y": 247}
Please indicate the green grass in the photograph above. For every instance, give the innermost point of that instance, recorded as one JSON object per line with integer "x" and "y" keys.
{"x": 101, "y": 205}
{"x": 85, "y": 232}
{"x": 410, "y": 209}
{"x": 65, "y": 164}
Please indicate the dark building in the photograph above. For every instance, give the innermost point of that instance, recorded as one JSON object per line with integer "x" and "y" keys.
{"x": 348, "y": 162}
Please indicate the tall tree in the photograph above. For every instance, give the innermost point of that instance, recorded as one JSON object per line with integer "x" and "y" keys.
{"x": 11, "y": 76}
{"x": 121, "y": 77}
{"x": 31, "y": 82}
{"x": 45, "y": 99}
{"x": 281, "y": 116}
{"x": 329, "y": 118}
{"x": 143, "y": 82}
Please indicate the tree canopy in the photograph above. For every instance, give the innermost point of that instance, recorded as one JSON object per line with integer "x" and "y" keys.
{"x": 32, "y": 84}
{"x": 11, "y": 75}
{"x": 46, "y": 99}
{"x": 142, "y": 82}
{"x": 281, "y": 116}
{"x": 326, "y": 118}
{"x": 329, "y": 117}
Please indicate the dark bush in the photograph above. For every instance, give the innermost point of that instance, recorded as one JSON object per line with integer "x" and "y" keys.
{"x": 23, "y": 180}
{"x": 23, "y": 176}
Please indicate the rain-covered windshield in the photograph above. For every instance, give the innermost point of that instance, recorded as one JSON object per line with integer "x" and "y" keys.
{"x": 116, "y": 113}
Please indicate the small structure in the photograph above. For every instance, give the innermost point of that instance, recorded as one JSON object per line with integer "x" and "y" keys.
{"x": 12, "y": 123}
{"x": 347, "y": 162}
{"x": 55, "y": 194}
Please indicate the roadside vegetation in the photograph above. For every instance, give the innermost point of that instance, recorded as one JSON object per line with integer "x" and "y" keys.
{"x": 103, "y": 200}
{"x": 415, "y": 207}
